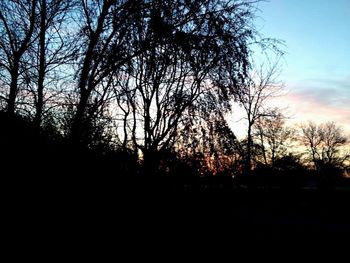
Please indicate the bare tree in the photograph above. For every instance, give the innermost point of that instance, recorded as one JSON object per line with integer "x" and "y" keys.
{"x": 50, "y": 55}
{"x": 325, "y": 144}
{"x": 54, "y": 50}
{"x": 105, "y": 45}
{"x": 273, "y": 137}
{"x": 177, "y": 74}
{"x": 262, "y": 85}
{"x": 17, "y": 28}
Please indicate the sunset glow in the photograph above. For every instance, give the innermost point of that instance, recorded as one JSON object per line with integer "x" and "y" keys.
{"x": 316, "y": 69}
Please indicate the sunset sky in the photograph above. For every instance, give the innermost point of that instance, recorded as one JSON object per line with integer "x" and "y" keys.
{"x": 316, "y": 67}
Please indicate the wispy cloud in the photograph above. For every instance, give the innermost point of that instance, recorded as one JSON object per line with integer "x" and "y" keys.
{"x": 342, "y": 84}
{"x": 320, "y": 100}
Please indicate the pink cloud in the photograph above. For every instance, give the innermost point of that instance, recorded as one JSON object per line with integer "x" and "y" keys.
{"x": 320, "y": 106}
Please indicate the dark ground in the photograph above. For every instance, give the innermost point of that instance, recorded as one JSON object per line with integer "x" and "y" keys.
{"x": 67, "y": 203}
{"x": 89, "y": 212}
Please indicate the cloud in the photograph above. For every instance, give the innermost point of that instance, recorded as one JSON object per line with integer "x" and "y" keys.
{"x": 343, "y": 84}
{"x": 328, "y": 91}
{"x": 316, "y": 100}
{"x": 320, "y": 100}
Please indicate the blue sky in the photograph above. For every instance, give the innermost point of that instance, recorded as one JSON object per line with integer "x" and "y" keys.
{"x": 316, "y": 69}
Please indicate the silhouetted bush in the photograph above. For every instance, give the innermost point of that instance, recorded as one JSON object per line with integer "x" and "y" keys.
{"x": 43, "y": 154}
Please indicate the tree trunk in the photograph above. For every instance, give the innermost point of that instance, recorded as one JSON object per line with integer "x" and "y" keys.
{"x": 248, "y": 166}
{"x": 16, "y": 59}
{"x": 150, "y": 163}
{"x": 84, "y": 86}
{"x": 149, "y": 160}
{"x": 273, "y": 157}
{"x": 13, "y": 87}
{"x": 262, "y": 142}
{"x": 77, "y": 128}
{"x": 42, "y": 62}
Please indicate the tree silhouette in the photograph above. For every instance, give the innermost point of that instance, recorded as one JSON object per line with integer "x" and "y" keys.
{"x": 52, "y": 50}
{"x": 97, "y": 17}
{"x": 274, "y": 138}
{"x": 260, "y": 86}
{"x": 149, "y": 81}
{"x": 17, "y": 27}
{"x": 326, "y": 144}
{"x": 177, "y": 74}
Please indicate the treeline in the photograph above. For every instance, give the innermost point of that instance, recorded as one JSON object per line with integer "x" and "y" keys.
{"x": 128, "y": 76}
{"x": 308, "y": 154}
{"x": 138, "y": 88}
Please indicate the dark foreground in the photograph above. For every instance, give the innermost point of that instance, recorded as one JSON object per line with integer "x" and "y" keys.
{"x": 83, "y": 214}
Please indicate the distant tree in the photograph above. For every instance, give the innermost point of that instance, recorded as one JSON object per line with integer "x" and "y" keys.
{"x": 326, "y": 145}
{"x": 273, "y": 137}
{"x": 289, "y": 163}
{"x": 261, "y": 85}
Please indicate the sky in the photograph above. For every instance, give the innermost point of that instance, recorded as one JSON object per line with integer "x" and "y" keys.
{"x": 316, "y": 65}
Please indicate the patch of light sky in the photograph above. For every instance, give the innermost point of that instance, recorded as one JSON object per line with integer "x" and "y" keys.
{"x": 316, "y": 65}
